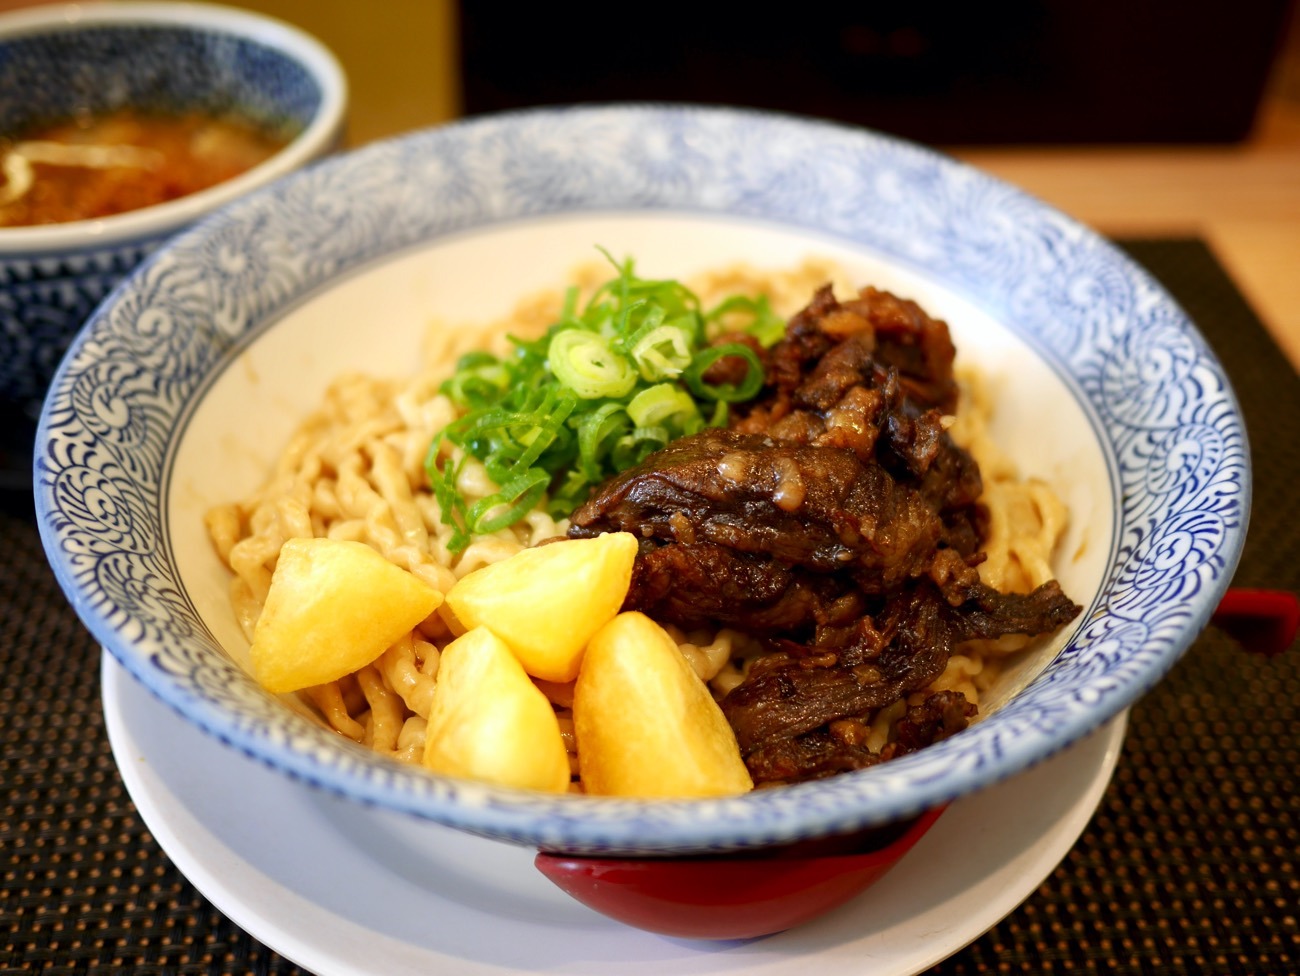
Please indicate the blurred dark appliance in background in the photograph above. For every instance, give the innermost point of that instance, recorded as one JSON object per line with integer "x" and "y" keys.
{"x": 1026, "y": 71}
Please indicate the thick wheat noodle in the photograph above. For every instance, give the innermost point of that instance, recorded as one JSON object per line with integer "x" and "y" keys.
{"x": 486, "y": 550}
{"x": 708, "y": 653}
{"x": 347, "y": 529}
{"x": 295, "y": 515}
{"x": 246, "y": 606}
{"x": 410, "y": 741}
{"x": 540, "y": 527}
{"x": 325, "y": 506}
{"x": 388, "y": 518}
{"x": 732, "y": 673}
{"x": 882, "y": 724}
{"x": 1025, "y": 521}
{"x": 394, "y": 486}
{"x": 250, "y": 557}
{"x": 328, "y": 698}
{"x": 968, "y": 673}
{"x": 387, "y": 715}
{"x": 404, "y": 673}
{"x": 355, "y": 470}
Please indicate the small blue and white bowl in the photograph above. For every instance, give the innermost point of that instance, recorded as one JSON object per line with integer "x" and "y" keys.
{"x": 58, "y": 61}
{"x": 182, "y": 390}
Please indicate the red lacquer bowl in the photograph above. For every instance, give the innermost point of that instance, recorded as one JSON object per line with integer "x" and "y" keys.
{"x": 735, "y": 896}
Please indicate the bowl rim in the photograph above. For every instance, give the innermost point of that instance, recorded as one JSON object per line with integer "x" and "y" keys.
{"x": 317, "y": 137}
{"x": 838, "y": 804}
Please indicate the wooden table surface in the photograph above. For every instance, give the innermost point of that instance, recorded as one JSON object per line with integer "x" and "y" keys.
{"x": 1244, "y": 200}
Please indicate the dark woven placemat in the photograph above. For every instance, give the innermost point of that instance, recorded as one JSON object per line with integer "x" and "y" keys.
{"x": 1191, "y": 864}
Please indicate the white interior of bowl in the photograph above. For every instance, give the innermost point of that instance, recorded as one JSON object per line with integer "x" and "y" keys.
{"x": 375, "y": 321}
{"x": 322, "y": 133}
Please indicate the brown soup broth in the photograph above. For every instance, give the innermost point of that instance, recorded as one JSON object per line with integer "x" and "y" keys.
{"x": 84, "y": 169}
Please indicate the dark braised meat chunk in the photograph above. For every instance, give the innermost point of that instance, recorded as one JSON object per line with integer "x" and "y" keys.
{"x": 813, "y": 755}
{"x": 842, "y": 745}
{"x": 881, "y": 660}
{"x": 804, "y": 687}
{"x": 836, "y": 519}
{"x": 942, "y": 714}
{"x": 706, "y": 584}
{"x": 816, "y": 507}
{"x": 892, "y": 333}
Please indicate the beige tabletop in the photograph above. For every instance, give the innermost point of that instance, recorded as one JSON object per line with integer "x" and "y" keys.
{"x": 1244, "y": 200}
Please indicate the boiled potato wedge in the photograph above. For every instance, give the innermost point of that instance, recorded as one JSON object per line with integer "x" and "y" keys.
{"x": 488, "y": 721}
{"x": 333, "y": 607}
{"x": 548, "y": 601}
{"x": 646, "y": 724}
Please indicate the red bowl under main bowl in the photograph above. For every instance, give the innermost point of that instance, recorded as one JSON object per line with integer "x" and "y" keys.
{"x": 735, "y": 896}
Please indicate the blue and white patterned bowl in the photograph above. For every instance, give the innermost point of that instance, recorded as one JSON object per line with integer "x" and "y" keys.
{"x": 184, "y": 387}
{"x": 60, "y": 60}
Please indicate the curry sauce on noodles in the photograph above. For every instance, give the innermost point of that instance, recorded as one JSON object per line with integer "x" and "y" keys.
{"x": 355, "y": 470}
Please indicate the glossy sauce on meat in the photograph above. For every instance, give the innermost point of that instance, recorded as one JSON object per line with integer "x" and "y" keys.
{"x": 836, "y": 519}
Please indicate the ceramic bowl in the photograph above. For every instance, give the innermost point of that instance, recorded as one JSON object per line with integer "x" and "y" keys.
{"x": 61, "y": 60}
{"x": 182, "y": 389}
{"x": 736, "y": 896}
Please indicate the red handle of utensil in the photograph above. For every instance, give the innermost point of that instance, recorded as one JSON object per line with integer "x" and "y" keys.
{"x": 1261, "y": 621}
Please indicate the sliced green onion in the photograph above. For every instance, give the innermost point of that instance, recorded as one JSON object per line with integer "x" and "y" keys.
{"x": 515, "y": 500}
{"x": 631, "y": 449}
{"x": 662, "y": 353}
{"x": 597, "y": 431}
{"x": 573, "y": 489}
{"x": 748, "y": 387}
{"x": 660, "y": 404}
{"x": 763, "y": 323}
{"x": 442, "y": 479}
{"x": 584, "y": 363}
{"x": 550, "y": 422}
{"x": 478, "y": 381}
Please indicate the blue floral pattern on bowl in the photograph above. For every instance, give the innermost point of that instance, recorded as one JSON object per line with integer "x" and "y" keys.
{"x": 1160, "y": 404}
{"x": 44, "y": 300}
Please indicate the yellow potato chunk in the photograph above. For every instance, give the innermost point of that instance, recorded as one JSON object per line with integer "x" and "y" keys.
{"x": 548, "y": 601}
{"x": 646, "y": 724}
{"x": 488, "y": 721}
{"x": 333, "y": 607}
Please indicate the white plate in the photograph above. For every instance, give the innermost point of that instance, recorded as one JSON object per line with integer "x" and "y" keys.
{"x": 345, "y": 890}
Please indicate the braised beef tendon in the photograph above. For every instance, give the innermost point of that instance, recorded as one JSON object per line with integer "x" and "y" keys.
{"x": 887, "y": 658}
{"x": 836, "y": 519}
{"x": 819, "y": 508}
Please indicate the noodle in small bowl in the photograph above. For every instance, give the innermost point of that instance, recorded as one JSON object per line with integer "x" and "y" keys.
{"x": 184, "y": 390}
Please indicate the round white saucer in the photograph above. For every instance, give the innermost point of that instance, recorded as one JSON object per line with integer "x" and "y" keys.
{"x": 345, "y": 890}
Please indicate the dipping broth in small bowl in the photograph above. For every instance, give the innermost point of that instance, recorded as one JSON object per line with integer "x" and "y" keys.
{"x": 120, "y": 124}
{"x": 97, "y": 166}
{"x": 395, "y": 399}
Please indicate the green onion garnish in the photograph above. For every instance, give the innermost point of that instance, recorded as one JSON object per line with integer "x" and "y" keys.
{"x": 606, "y": 386}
